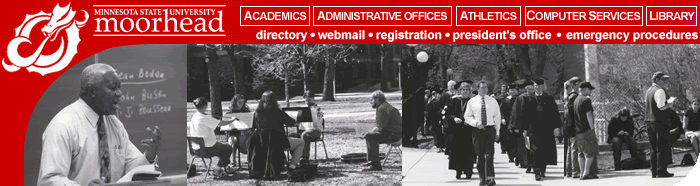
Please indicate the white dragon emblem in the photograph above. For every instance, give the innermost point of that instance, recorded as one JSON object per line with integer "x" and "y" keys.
{"x": 62, "y": 18}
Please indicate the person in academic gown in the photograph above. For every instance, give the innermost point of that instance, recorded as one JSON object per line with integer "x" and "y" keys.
{"x": 517, "y": 121}
{"x": 459, "y": 135}
{"x": 542, "y": 122}
{"x": 508, "y": 139}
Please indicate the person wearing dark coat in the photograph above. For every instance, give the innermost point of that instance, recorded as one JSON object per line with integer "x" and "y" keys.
{"x": 266, "y": 146}
{"x": 621, "y": 130}
{"x": 461, "y": 149}
{"x": 539, "y": 127}
{"x": 677, "y": 132}
{"x": 434, "y": 116}
{"x": 502, "y": 94}
{"x": 508, "y": 139}
{"x": 517, "y": 123}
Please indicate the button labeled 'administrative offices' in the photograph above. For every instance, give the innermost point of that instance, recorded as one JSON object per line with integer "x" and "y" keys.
{"x": 488, "y": 15}
{"x": 275, "y": 16}
{"x": 672, "y": 16}
{"x": 382, "y": 16}
{"x": 584, "y": 16}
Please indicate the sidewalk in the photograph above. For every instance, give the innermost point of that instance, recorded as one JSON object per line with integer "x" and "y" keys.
{"x": 427, "y": 167}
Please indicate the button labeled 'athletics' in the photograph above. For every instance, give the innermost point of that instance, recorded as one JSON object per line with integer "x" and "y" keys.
{"x": 488, "y": 15}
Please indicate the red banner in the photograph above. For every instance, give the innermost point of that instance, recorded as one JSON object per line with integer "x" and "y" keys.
{"x": 40, "y": 40}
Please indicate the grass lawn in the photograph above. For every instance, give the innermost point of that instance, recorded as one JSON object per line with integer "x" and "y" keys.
{"x": 340, "y": 139}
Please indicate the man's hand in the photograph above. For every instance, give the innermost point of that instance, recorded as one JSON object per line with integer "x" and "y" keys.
{"x": 622, "y": 133}
{"x": 96, "y": 182}
{"x": 516, "y": 131}
{"x": 458, "y": 121}
{"x": 480, "y": 127}
{"x": 152, "y": 144}
{"x": 524, "y": 133}
{"x": 503, "y": 121}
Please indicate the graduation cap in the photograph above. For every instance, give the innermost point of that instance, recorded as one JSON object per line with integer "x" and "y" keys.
{"x": 512, "y": 86}
{"x": 538, "y": 81}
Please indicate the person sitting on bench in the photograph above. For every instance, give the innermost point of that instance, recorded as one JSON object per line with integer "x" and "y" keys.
{"x": 676, "y": 132}
{"x": 621, "y": 130}
{"x": 691, "y": 124}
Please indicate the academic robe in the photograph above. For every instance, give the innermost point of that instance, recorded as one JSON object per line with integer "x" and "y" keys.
{"x": 508, "y": 139}
{"x": 540, "y": 125}
{"x": 459, "y": 136}
{"x": 518, "y": 121}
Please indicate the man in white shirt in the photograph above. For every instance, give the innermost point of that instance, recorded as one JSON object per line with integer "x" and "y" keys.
{"x": 85, "y": 143}
{"x": 483, "y": 113}
{"x": 203, "y": 125}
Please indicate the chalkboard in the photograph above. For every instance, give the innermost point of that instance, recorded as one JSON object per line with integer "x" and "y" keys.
{"x": 153, "y": 84}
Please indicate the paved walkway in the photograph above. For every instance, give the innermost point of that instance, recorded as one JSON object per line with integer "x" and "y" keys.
{"x": 427, "y": 167}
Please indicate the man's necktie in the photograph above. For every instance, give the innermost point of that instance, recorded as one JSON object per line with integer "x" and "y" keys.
{"x": 483, "y": 111}
{"x": 104, "y": 150}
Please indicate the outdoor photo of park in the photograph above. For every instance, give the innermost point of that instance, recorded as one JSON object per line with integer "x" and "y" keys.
{"x": 619, "y": 78}
{"x": 334, "y": 96}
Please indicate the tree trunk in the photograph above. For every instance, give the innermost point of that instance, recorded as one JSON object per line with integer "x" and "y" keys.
{"x": 522, "y": 67}
{"x": 306, "y": 78}
{"x": 541, "y": 59}
{"x": 382, "y": 69}
{"x": 286, "y": 85}
{"x": 214, "y": 86}
{"x": 328, "y": 93}
{"x": 238, "y": 72}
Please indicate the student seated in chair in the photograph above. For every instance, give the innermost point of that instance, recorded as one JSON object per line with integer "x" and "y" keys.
{"x": 203, "y": 125}
{"x": 238, "y": 105}
{"x": 387, "y": 130}
{"x": 311, "y": 130}
{"x": 621, "y": 130}
{"x": 268, "y": 142}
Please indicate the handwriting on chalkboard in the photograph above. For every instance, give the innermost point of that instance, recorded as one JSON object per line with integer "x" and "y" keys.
{"x": 134, "y": 106}
{"x": 152, "y": 95}
{"x": 156, "y": 108}
{"x": 145, "y": 76}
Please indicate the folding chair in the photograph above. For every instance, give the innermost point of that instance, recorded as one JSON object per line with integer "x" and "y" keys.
{"x": 396, "y": 145}
{"x": 197, "y": 150}
{"x": 316, "y": 140}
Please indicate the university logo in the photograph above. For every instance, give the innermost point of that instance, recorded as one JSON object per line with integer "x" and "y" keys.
{"x": 61, "y": 19}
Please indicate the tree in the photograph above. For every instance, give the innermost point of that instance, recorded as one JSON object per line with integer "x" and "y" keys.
{"x": 332, "y": 55}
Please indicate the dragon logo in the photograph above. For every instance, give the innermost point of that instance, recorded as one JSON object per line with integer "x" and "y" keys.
{"x": 62, "y": 18}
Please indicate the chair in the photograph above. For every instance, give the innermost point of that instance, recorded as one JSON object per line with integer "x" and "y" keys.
{"x": 316, "y": 140}
{"x": 199, "y": 152}
{"x": 396, "y": 145}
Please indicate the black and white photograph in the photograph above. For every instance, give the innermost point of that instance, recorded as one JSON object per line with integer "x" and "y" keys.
{"x": 294, "y": 114}
{"x": 550, "y": 114}
{"x": 115, "y": 118}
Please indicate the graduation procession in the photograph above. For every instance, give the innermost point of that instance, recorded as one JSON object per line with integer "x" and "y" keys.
{"x": 551, "y": 116}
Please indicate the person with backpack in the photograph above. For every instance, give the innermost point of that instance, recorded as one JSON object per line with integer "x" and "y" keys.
{"x": 571, "y": 166}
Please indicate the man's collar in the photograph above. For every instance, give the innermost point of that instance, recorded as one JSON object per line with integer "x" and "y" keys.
{"x": 536, "y": 94}
{"x": 90, "y": 114}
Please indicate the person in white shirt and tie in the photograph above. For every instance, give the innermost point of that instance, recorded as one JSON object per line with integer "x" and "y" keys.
{"x": 85, "y": 143}
{"x": 483, "y": 113}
